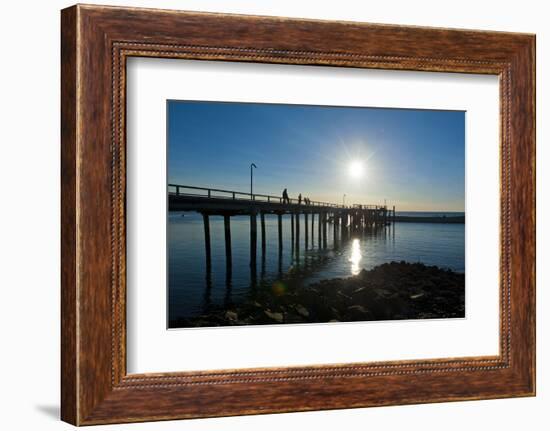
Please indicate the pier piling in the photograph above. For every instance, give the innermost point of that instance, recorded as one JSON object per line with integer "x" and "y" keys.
{"x": 227, "y": 231}
{"x": 262, "y": 224}
{"x": 280, "y": 226}
{"x": 343, "y": 224}
{"x": 334, "y": 229}
{"x": 306, "y": 230}
{"x": 312, "y": 230}
{"x": 292, "y": 229}
{"x": 297, "y": 231}
{"x": 206, "y": 222}
{"x": 253, "y": 238}
{"x": 319, "y": 228}
{"x": 324, "y": 230}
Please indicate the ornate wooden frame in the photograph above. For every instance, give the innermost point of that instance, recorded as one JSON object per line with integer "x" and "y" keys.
{"x": 95, "y": 42}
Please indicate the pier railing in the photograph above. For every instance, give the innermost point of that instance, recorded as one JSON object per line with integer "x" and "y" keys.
{"x": 204, "y": 192}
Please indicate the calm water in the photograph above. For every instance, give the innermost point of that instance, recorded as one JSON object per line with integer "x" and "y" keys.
{"x": 192, "y": 290}
{"x": 429, "y": 213}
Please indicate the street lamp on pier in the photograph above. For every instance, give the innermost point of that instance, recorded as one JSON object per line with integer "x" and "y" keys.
{"x": 252, "y": 166}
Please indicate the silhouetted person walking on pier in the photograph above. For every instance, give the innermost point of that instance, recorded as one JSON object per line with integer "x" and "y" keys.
{"x": 300, "y": 199}
{"x": 286, "y": 200}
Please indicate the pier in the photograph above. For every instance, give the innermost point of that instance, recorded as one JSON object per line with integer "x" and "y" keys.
{"x": 346, "y": 219}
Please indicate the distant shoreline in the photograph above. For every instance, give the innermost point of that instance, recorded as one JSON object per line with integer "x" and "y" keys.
{"x": 436, "y": 219}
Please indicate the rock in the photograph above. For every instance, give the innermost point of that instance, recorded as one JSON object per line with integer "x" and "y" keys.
{"x": 301, "y": 310}
{"x": 395, "y": 290}
{"x": 358, "y": 308}
{"x": 292, "y": 317}
{"x": 343, "y": 295}
{"x": 383, "y": 292}
{"x": 357, "y": 313}
{"x": 278, "y": 317}
{"x": 231, "y": 315}
{"x": 359, "y": 289}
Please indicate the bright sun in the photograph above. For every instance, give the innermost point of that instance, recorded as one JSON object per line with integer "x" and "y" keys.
{"x": 356, "y": 169}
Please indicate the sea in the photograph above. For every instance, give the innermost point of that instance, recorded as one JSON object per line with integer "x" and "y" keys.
{"x": 193, "y": 289}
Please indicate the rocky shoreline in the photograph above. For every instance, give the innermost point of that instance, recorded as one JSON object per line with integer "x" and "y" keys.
{"x": 391, "y": 291}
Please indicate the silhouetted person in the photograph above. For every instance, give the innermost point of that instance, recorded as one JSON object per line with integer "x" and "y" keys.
{"x": 286, "y": 200}
{"x": 300, "y": 199}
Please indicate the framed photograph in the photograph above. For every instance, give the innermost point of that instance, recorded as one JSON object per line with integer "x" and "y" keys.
{"x": 265, "y": 215}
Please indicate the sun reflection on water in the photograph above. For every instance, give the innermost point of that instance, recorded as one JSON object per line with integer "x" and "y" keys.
{"x": 355, "y": 257}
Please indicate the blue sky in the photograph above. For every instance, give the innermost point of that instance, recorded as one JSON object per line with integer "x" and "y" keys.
{"x": 412, "y": 158}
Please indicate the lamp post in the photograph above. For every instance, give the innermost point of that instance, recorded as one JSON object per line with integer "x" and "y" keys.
{"x": 344, "y": 200}
{"x": 252, "y": 166}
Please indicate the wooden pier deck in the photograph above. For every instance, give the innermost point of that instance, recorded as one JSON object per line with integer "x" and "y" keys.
{"x": 346, "y": 219}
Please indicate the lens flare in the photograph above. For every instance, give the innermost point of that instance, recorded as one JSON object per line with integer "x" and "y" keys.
{"x": 278, "y": 288}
